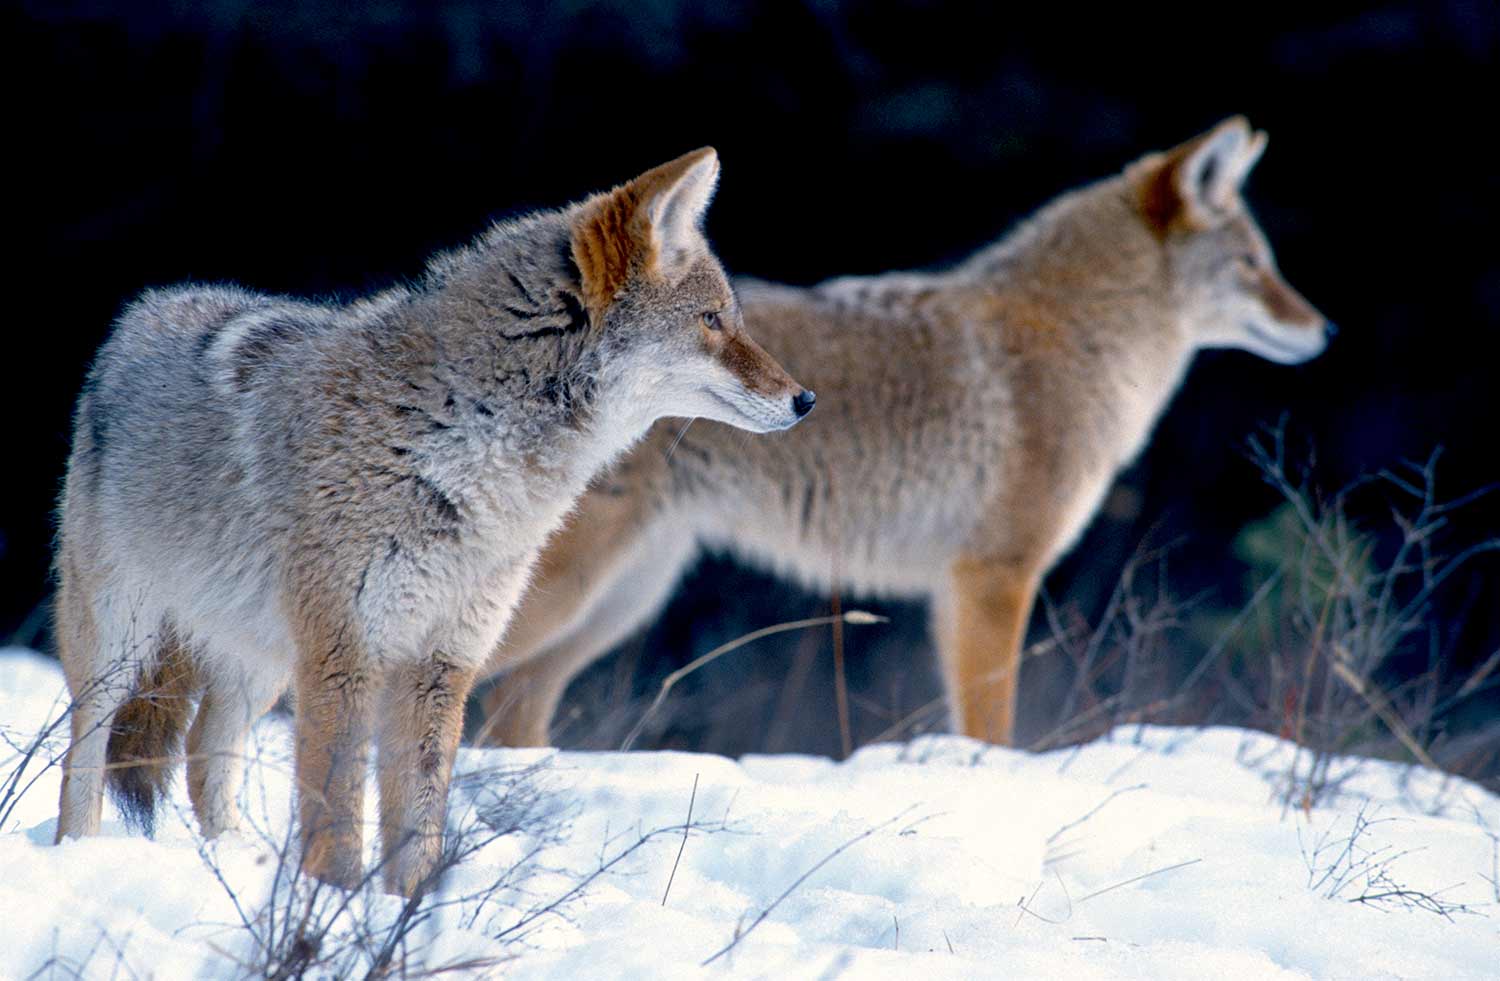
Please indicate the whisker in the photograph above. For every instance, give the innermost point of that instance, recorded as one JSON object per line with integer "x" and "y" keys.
{"x": 673, "y": 448}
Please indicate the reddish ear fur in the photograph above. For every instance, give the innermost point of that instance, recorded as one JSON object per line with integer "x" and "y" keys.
{"x": 604, "y": 247}
{"x": 1196, "y": 184}
{"x": 1158, "y": 192}
{"x": 625, "y": 231}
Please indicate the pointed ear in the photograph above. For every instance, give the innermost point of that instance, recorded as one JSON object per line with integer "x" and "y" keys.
{"x": 1197, "y": 185}
{"x": 649, "y": 225}
{"x": 674, "y": 198}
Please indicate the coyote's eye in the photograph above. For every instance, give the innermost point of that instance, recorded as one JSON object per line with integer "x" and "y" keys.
{"x": 712, "y": 322}
{"x": 1250, "y": 261}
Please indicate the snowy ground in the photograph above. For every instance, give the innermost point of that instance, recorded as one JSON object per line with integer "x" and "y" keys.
{"x": 1159, "y": 853}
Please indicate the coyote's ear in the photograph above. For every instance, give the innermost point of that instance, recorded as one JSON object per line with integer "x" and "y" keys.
{"x": 1197, "y": 185}
{"x": 674, "y": 197}
{"x": 650, "y": 224}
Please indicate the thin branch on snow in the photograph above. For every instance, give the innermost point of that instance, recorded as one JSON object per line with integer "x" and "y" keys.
{"x": 687, "y": 825}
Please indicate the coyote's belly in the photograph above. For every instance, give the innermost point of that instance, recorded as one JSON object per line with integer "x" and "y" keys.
{"x": 858, "y": 525}
{"x": 875, "y": 565}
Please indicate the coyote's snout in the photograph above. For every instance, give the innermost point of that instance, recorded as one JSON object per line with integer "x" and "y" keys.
{"x": 1283, "y": 327}
{"x": 714, "y": 370}
{"x": 746, "y": 387}
{"x": 960, "y": 462}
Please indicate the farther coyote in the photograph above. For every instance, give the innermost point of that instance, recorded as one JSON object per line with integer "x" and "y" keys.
{"x": 265, "y": 490}
{"x": 973, "y": 420}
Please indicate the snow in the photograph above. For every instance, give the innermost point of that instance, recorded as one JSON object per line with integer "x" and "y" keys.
{"x": 1156, "y": 853}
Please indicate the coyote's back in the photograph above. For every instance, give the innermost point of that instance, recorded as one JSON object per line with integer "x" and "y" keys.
{"x": 170, "y": 414}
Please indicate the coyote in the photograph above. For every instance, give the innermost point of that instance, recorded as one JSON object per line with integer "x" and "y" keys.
{"x": 349, "y": 499}
{"x": 974, "y": 418}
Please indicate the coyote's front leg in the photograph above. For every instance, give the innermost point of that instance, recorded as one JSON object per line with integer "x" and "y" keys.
{"x": 981, "y": 625}
{"x": 333, "y": 738}
{"x": 421, "y": 720}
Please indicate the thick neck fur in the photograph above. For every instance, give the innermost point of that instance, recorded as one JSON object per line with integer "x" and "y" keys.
{"x": 489, "y": 367}
{"x": 1087, "y": 282}
{"x": 504, "y": 321}
{"x": 1088, "y": 262}
{"x": 1085, "y": 268}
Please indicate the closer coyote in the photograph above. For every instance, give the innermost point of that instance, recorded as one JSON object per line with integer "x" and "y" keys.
{"x": 350, "y": 498}
{"x": 973, "y": 420}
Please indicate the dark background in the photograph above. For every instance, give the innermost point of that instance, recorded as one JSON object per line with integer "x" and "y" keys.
{"x": 328, "y": 150}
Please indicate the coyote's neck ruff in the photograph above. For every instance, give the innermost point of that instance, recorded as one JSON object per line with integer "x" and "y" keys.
{"x": 974, "y": 418}
{"x": 491, "y": 379}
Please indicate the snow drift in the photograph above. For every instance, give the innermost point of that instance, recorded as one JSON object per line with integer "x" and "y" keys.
{"x": 1156, "y": 853}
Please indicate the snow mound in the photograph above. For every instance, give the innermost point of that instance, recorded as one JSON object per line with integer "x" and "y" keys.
{"x": 1156, "y": 853}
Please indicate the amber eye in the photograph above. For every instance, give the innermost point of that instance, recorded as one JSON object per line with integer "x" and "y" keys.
{"x": 712, "y": 322}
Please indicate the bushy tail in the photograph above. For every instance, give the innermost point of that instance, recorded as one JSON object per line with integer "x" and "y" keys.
{"x": 145, "y": 739}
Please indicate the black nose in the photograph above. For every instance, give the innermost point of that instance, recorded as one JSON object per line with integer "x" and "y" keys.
{"x": 1330, "y": 329}
{"x": 802, "y": 402}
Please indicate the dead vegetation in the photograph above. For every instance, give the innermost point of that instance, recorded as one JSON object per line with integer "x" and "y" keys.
{"x": 1343, "y": 863}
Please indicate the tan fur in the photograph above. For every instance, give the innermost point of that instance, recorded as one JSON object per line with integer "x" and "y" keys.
{"x": 334, "y": 706}
{"x": 82, "y": 798}
{"x": 985, "y": 617}
{"x": 422, "y": 711}
{"x": 971, "y": 421}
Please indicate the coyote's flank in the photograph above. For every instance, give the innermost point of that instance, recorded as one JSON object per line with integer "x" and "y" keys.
{"x": 974, "y": 419}
{"x": 348, "y": 499}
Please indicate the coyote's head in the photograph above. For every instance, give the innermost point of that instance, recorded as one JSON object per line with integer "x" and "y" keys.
{"x": 672, "y": 341}
{"x": 1222, "y": 273}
